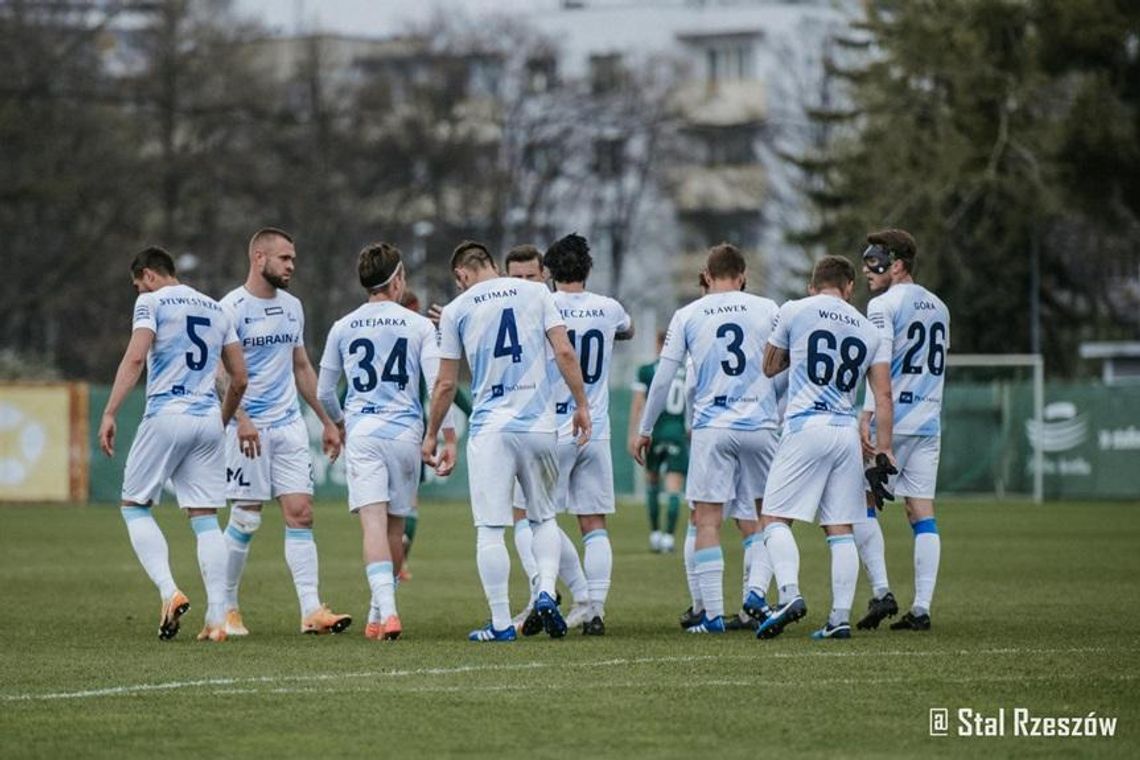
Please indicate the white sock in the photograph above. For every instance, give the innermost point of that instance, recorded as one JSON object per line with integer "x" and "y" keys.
{"x": 547, "y": 550}
{"x": 301, "y": 556}
{"x": 383, "y": 587}
{"x": 872, "y": 550}
{"x": 239, "y": 532}
{"x": 570, "y": 568}
{"x": 844, "y": 574}
{"x": 150, "y": 547}
{"x": 760, "y": 574}
{"x": 927, "y": 553}
{"x": 212, "y": 563}
{"x": 785, "y": 557}
{"x": 748, "y": 544}
{"x": 524, "y": 545}
{"x": 688, "y": 548}
{"x": 598, "y": 565}
{"x": 710, "y": 574}
{"x": 494, "y": 565}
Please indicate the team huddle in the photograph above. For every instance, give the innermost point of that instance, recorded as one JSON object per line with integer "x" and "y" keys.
{"x": 769, "y": 395}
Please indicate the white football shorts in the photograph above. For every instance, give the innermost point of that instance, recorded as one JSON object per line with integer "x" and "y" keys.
{"x": 284, "y": 466}
{"x": 729, "y": 464}
{"x": 382, "y": 470}
{"x": 495, "y": 460}
{"x": 917, "y": 457}
{"x": 585, "y": 478}
{"x": 817, "y": 474}
{"x": 189, "y": 451}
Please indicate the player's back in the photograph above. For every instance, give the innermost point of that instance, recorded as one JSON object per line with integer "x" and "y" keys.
{"x": 190, "y": 329}
{"x": 918, "y": 324}
{"x": 724, "y": 334}
{"x": 500, "y": 324}
{"x": 831, "y": 346}
{"x": 269, "y": 329}
{"x": 382, "y": 347}
{"x": 592, "y": 321}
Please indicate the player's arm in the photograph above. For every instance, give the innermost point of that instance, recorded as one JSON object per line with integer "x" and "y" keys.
{"x": 880, "y": 377}
{"x": 655, "y": 403}
{"x": 130, "y": 368}
{"x": 567, "y": 360}
{"x": 775, "y": 360}
{"x": 249, "y": 439}
{"x": 442, "y": 395}
{"x": 306, "y": 379}
{"x": 625, "y": 330}
{"x": 234, "y": 361}
{"x": 636, "y": 406}
{"x": 429, "y": 365}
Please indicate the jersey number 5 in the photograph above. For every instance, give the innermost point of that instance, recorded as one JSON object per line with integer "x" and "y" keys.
{"x": 196, "y": 362}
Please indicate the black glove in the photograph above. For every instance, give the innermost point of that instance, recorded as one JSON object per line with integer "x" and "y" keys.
{"x": 877, "y": 479}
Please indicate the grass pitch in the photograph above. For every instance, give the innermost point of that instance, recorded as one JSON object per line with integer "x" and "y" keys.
{"x": 1036, "y": 607}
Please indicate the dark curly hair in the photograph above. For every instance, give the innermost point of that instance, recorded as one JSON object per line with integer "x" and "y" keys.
{"x": 569, "y": 259}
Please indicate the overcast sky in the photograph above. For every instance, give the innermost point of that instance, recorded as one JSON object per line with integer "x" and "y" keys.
{"x": 369, "y": 17}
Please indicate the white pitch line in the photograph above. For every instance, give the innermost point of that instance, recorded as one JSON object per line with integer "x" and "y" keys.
{"x": 238, "y": 682}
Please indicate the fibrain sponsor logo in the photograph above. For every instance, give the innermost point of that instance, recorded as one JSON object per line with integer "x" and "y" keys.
{"x": 1018, "y": 722}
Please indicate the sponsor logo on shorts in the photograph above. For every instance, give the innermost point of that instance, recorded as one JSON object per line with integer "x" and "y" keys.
{"x": 236, "y": 476}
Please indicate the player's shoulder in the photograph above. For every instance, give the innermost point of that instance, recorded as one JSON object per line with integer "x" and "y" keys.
{"x": 234, "y": 297}
{"x": 289, "y": 300}
{"x": 761, "y": 303}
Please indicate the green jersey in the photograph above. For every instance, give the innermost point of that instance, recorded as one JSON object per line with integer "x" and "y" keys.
{"x": 671, "y": 424}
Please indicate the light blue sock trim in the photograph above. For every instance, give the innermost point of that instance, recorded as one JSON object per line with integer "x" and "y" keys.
{"x": 298, "y": 534}
{"x": 748, "y": 541}
{"x": 925, "y": 526}
{"x": 692, "y": 531}
{"x": 845, "y": 539}
{"x": 237, "y": 535}
{"x": 378, "y": 568}
{"x": 135, "y": 513}
{"x": 594, "y": 534}
{"x": 204, "y": 524}
{"x": 871, "y": 513}
{"x": 523, "y": 521}
{"x": 710, "y": 554}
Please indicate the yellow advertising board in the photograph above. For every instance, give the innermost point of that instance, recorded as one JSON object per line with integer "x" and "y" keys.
{"x": 43, "y": 442}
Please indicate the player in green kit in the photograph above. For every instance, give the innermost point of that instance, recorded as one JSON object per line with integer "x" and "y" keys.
{"x": 668, "y": 451}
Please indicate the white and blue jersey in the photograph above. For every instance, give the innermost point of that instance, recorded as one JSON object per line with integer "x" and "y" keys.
{"x": 269, "y": 330}
{"x": 501, "y": 325}
{"x": 724, "y": 335}
{"x": 916, "y": 325}
{"x": 592, "y": 321}
{"x": 189, "y": 331}
{"x": 831, "y": 346}
{"x": 383, "y": 350}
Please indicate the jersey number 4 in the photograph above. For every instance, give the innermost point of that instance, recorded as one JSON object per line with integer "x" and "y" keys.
{"x": 395, "y": 369}
{"x": 507, "y": 341}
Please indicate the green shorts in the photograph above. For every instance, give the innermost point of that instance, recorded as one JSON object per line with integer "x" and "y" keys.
{"x": 669, "y": 454}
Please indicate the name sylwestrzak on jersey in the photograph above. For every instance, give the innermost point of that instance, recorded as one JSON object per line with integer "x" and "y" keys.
{"x": 966, "y": 722}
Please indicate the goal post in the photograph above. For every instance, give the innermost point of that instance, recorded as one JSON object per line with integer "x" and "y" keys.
{"x": 1035, "y": 365}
